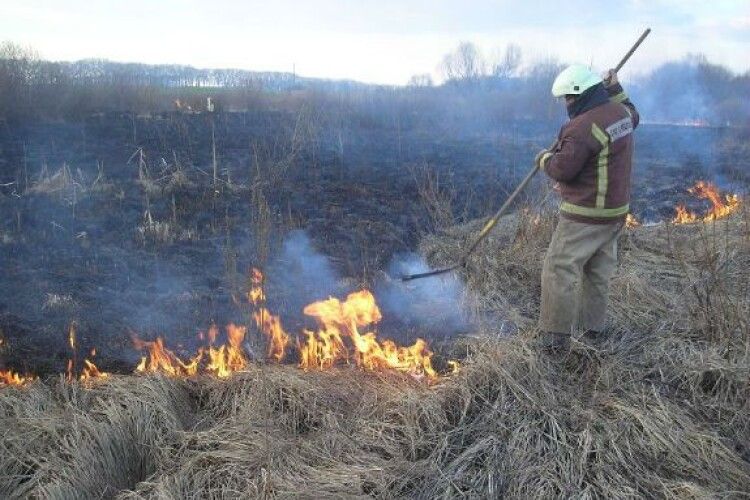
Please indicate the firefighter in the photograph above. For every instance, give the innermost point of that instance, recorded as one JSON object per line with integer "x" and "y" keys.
{"x": 591, "y": 163}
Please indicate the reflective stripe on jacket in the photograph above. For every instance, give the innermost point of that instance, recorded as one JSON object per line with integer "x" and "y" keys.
{"x": 593, "y": 159}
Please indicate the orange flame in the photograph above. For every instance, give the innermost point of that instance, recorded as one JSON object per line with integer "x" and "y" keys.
{"x": 631, "y": 221}
{"x": 321, "y": 350}
{"x": 220, "y": 361}
{"x": 70, "y": 375}
{"x": 228, "y": 358}
{"x": 162, "y": 360}
{"x": 683, "y": 215}
{"x": 344, "y": 336}
{"x": 455, "y": 367}
{"x": 721, "y": 206}
{"x": 256, "y": 295}
{"x": 9, "y": 377}
{"x": 72, "y": 336}
{"x": 339, "y": 320}
{"x": 91, "y": 371}
{"x": 212, "y": 334}
{"x": 269, "y": 324}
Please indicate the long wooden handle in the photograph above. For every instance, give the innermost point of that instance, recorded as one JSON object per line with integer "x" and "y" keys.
{"x": 632, "y": 49}
{"x": 491, "y": 223}
{"x": 482, "y": 234}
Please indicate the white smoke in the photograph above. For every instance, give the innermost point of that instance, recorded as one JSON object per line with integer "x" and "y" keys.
{"x": 432, "y": 306}
{"x": 300, "y": 275}
{"x": 435, "y": 303}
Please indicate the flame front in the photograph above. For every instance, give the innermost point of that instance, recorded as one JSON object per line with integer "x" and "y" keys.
{"x": 631, "y": 221}
{"x": 338, "y": 321}
{"x": 683, "y": 215}
{"x": 9, "y": 377}
{"x": 228, "y": 358}
{"x": 220, "y": 361}
{"x": 345, "y": 335}
{"x": 90, "y": 371}
{"x": 269, "y": 324}
{"x": 159, "y": 359}
{"x": 721, "y": 206}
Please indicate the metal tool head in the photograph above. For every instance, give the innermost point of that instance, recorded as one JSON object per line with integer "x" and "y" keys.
{"x": 409, "y": 277}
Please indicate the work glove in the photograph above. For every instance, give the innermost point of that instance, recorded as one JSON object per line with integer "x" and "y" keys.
{"x": 541, "y": 158}
{"x": 610, "y": 78}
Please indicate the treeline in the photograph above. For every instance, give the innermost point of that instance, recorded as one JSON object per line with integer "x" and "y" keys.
{"x": 692, "y": 90}
{"x": 476, "y": 90}
{"x": 32, "y": 88}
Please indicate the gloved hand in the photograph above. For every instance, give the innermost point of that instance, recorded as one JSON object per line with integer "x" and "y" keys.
{"x": 610, "y": 78}
{"x": 542, "y": 157}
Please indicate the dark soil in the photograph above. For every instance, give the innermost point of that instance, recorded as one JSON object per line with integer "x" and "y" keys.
{"x": 72, "y": 249}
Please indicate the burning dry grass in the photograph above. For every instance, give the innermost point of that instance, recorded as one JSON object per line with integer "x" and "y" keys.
{"x": 721, "y": 205}
{"x": 510, "y": 424}
{"x": 663, "y": 410}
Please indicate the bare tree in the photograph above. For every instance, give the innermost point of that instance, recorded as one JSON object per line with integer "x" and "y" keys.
{"x": 507, "y": 65}
{"x": 17, "y": 69}
{"x": 464, "y": 64}
{"x": 420, "y": 80}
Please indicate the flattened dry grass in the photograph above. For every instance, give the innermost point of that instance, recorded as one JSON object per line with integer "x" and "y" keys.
{"x": 661, "y": 411}
{"x": 64, "y": 440}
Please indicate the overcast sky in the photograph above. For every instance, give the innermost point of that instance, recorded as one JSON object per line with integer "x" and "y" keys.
{"x": 379, "y": 41}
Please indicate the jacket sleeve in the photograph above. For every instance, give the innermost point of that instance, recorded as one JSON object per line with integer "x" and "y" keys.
{"x": 617, "y": 94}
{"x": 567, "y": 159}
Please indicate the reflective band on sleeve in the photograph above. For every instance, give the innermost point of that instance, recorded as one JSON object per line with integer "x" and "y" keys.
{"x": 622, "y": 96}
{"x": 543, "y": 160}
{"x": 593, "y": 211}
{"x": 602, "y": 165}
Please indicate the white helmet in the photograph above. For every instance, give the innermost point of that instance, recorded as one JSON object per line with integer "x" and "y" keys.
{"x": 574, "y": 79}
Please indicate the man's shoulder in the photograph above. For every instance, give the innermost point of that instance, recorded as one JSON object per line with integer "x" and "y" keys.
{"x": 578, "y": 127}
{"x": 609, "y": 113}
{"x": 601, "y": 117}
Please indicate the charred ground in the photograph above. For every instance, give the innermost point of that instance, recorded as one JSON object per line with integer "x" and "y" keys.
{"x": 660, "y": 410}
{"x": 118, "y": 223}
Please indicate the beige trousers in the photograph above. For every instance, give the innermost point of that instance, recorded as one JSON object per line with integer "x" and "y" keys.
{"x": 580, "y": 261}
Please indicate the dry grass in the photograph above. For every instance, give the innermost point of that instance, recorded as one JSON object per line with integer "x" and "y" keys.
{"x": 69, "y": 441}
{"x": 662, "y": 411}
{"x": 152, "y": 231}
{"x": 62, "y": 180}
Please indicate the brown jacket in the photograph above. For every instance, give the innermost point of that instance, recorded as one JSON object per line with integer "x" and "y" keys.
{"x": 592, "y": 161}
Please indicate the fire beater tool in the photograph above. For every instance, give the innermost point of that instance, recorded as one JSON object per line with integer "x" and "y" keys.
{"x": 491, "y": 223}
